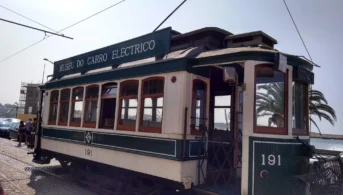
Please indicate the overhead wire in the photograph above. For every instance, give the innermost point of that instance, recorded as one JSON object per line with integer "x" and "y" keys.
{"x": 16, "y": 53}
{"x": 27, "y": 18}
{"x": 296, "y": 27}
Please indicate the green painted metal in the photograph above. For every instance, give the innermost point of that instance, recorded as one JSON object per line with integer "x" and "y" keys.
{"x": 280, "y": 158}
{"x": 153, "y": 44}
{"x": 157, "y": 147}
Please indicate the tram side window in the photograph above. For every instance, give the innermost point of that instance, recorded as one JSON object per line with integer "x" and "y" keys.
{"x": 76, "y": 107}
{"x": 300, "y": 108}
{"x": 108, "y": 105}
{"x": 270, "y": 100}
{"x": 128, "y": 102}
{"x": 64, "y": 107}
{"x": 53, "y": 107}
{"x": 152, "y": 105}
{"x": 198, "y": 114}
{"x": 91, "y": 105}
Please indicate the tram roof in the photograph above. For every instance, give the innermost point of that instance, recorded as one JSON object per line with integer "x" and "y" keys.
{"x": 181, "y": 60}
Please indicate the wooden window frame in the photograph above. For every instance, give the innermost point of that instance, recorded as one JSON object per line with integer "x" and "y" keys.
{"x": 64, "y": 101}
{"x": 194, "y": 131}
{"x": 51, "y": 103}
{"x": 266, "y": 129}
{"x": 121, "y": 97}
{"x": 304, "y": 132}
{"x": 76, "y": 124}
{"x": 104, "y": 97}
{"x": 84, "y": 123}
{"x": 146, "y": 129}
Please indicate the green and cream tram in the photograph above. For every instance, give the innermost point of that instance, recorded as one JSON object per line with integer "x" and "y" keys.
{"x": 205, "y": 110}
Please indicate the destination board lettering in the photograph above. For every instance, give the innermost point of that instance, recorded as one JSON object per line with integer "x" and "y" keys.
{"x": 154, "y": 44}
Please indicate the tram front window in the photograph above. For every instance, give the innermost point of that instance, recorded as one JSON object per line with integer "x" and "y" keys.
{"x": 300, "y": 110}
{"x": 222, "y": 112}
{"x": 270, "y": 100}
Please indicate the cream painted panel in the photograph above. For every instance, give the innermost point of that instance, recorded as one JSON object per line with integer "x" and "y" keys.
{"x": 190, "y": 171}
{"x": 168, "y": 169}
{"x": 172, "y": 104}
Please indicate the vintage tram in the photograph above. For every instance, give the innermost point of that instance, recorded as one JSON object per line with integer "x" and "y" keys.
{"x": 205, "y": 110}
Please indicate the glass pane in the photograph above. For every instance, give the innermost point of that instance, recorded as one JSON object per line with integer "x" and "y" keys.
{"x": 65, "y": 94}
{"x": 270, "y": 97}
{"x": 54, "y": 96}
{"x": 129, "y": 88}
{"x": 64, "y": 109}
{"x": 109, "y": 91}
{"x": 78, "y": 93}
{"x": 222, "y": 118}
{"x": 128, "y": 116}
{"x": 90, "y": 115}
{"x": 152, "y": 117}
{"x": 153, "y": 102}
{"x": 154, "y": 86}
{"x": 92, "y": 92}
{"x": 126, "y": 103}
{"x": 76, "y": 112}
{"x": 53, "y": 112}
{"x": 299, "y": 106}
{"x": 223, "y": 100}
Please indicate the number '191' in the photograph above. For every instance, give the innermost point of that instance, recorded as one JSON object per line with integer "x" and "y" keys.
{"x": 271, "y": 160}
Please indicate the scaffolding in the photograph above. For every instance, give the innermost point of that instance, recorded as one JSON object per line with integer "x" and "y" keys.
{"x": 28, "y": 98}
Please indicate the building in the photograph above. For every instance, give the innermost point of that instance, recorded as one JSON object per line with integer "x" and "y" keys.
{"x": 29, "y": 98}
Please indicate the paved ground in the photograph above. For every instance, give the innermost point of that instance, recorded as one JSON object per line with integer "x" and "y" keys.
{"x": 19, "y": 175}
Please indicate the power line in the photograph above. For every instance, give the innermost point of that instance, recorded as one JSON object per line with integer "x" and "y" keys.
{"x": 61, "y": 30}
{"x": 289, "y": 12}
{"x": 170, "y": 15}
{"x": 27, "y": 18}
{"x": 23, "y": 25}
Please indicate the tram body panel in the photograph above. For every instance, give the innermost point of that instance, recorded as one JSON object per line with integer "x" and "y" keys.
{"x": 164, "y": 168}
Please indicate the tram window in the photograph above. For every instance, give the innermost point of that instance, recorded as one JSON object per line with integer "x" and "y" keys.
{"x": 108, "y": 105}
{"x": 299, "y": 112}
{"x": 198, "y": 114}
{"x": 270, "y": 100}
{"x": 91, "y": 105}
{"x": 76, "y": 107}
{"x": 53, "y": 107}
{"x": 222, "y": 112}
{"x": 152, "y": 105}
{"x": 64, "y": 107}
{"x": 128, "y": 102}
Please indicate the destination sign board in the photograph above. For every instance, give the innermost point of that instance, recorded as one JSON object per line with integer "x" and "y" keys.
{"x": 149, "y": 45}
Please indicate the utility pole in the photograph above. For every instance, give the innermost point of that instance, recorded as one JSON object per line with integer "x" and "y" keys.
{"x": 43, "y": 74}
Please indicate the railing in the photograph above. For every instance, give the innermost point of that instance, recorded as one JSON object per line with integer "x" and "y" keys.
{"x": 325, "y": 178}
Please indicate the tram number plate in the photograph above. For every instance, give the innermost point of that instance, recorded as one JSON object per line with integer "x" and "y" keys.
{"x": 272, "y": 160}
{"x": 88, "y": 152}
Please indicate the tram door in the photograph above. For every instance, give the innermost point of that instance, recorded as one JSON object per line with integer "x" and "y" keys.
{"x": 221, "y": 136}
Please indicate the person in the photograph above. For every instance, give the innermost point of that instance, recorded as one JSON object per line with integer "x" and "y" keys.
{"x": 32, "y": 129}
{"x": 21, "y": 132}
{"x": 27, "y": 131}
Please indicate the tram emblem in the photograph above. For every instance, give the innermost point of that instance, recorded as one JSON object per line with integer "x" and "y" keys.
{"x": 88, "y": 137}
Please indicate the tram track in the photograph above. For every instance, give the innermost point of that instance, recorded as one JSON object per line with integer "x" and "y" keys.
{"x": 80, "y": 178}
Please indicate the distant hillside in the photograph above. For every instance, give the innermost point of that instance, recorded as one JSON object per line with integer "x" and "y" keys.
{"x": 326, "y": 136}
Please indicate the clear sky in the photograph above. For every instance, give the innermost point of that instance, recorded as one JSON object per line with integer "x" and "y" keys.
{"x": 319, "y": 21}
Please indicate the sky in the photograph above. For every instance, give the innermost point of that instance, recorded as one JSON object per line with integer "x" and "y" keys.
{"x": 319, "y": 21}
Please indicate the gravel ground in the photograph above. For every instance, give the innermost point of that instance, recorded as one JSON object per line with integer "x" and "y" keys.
{"x": 19, "y": 175}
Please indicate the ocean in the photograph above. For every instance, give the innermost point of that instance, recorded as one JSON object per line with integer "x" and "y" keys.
{"x": 327, "y": 144}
